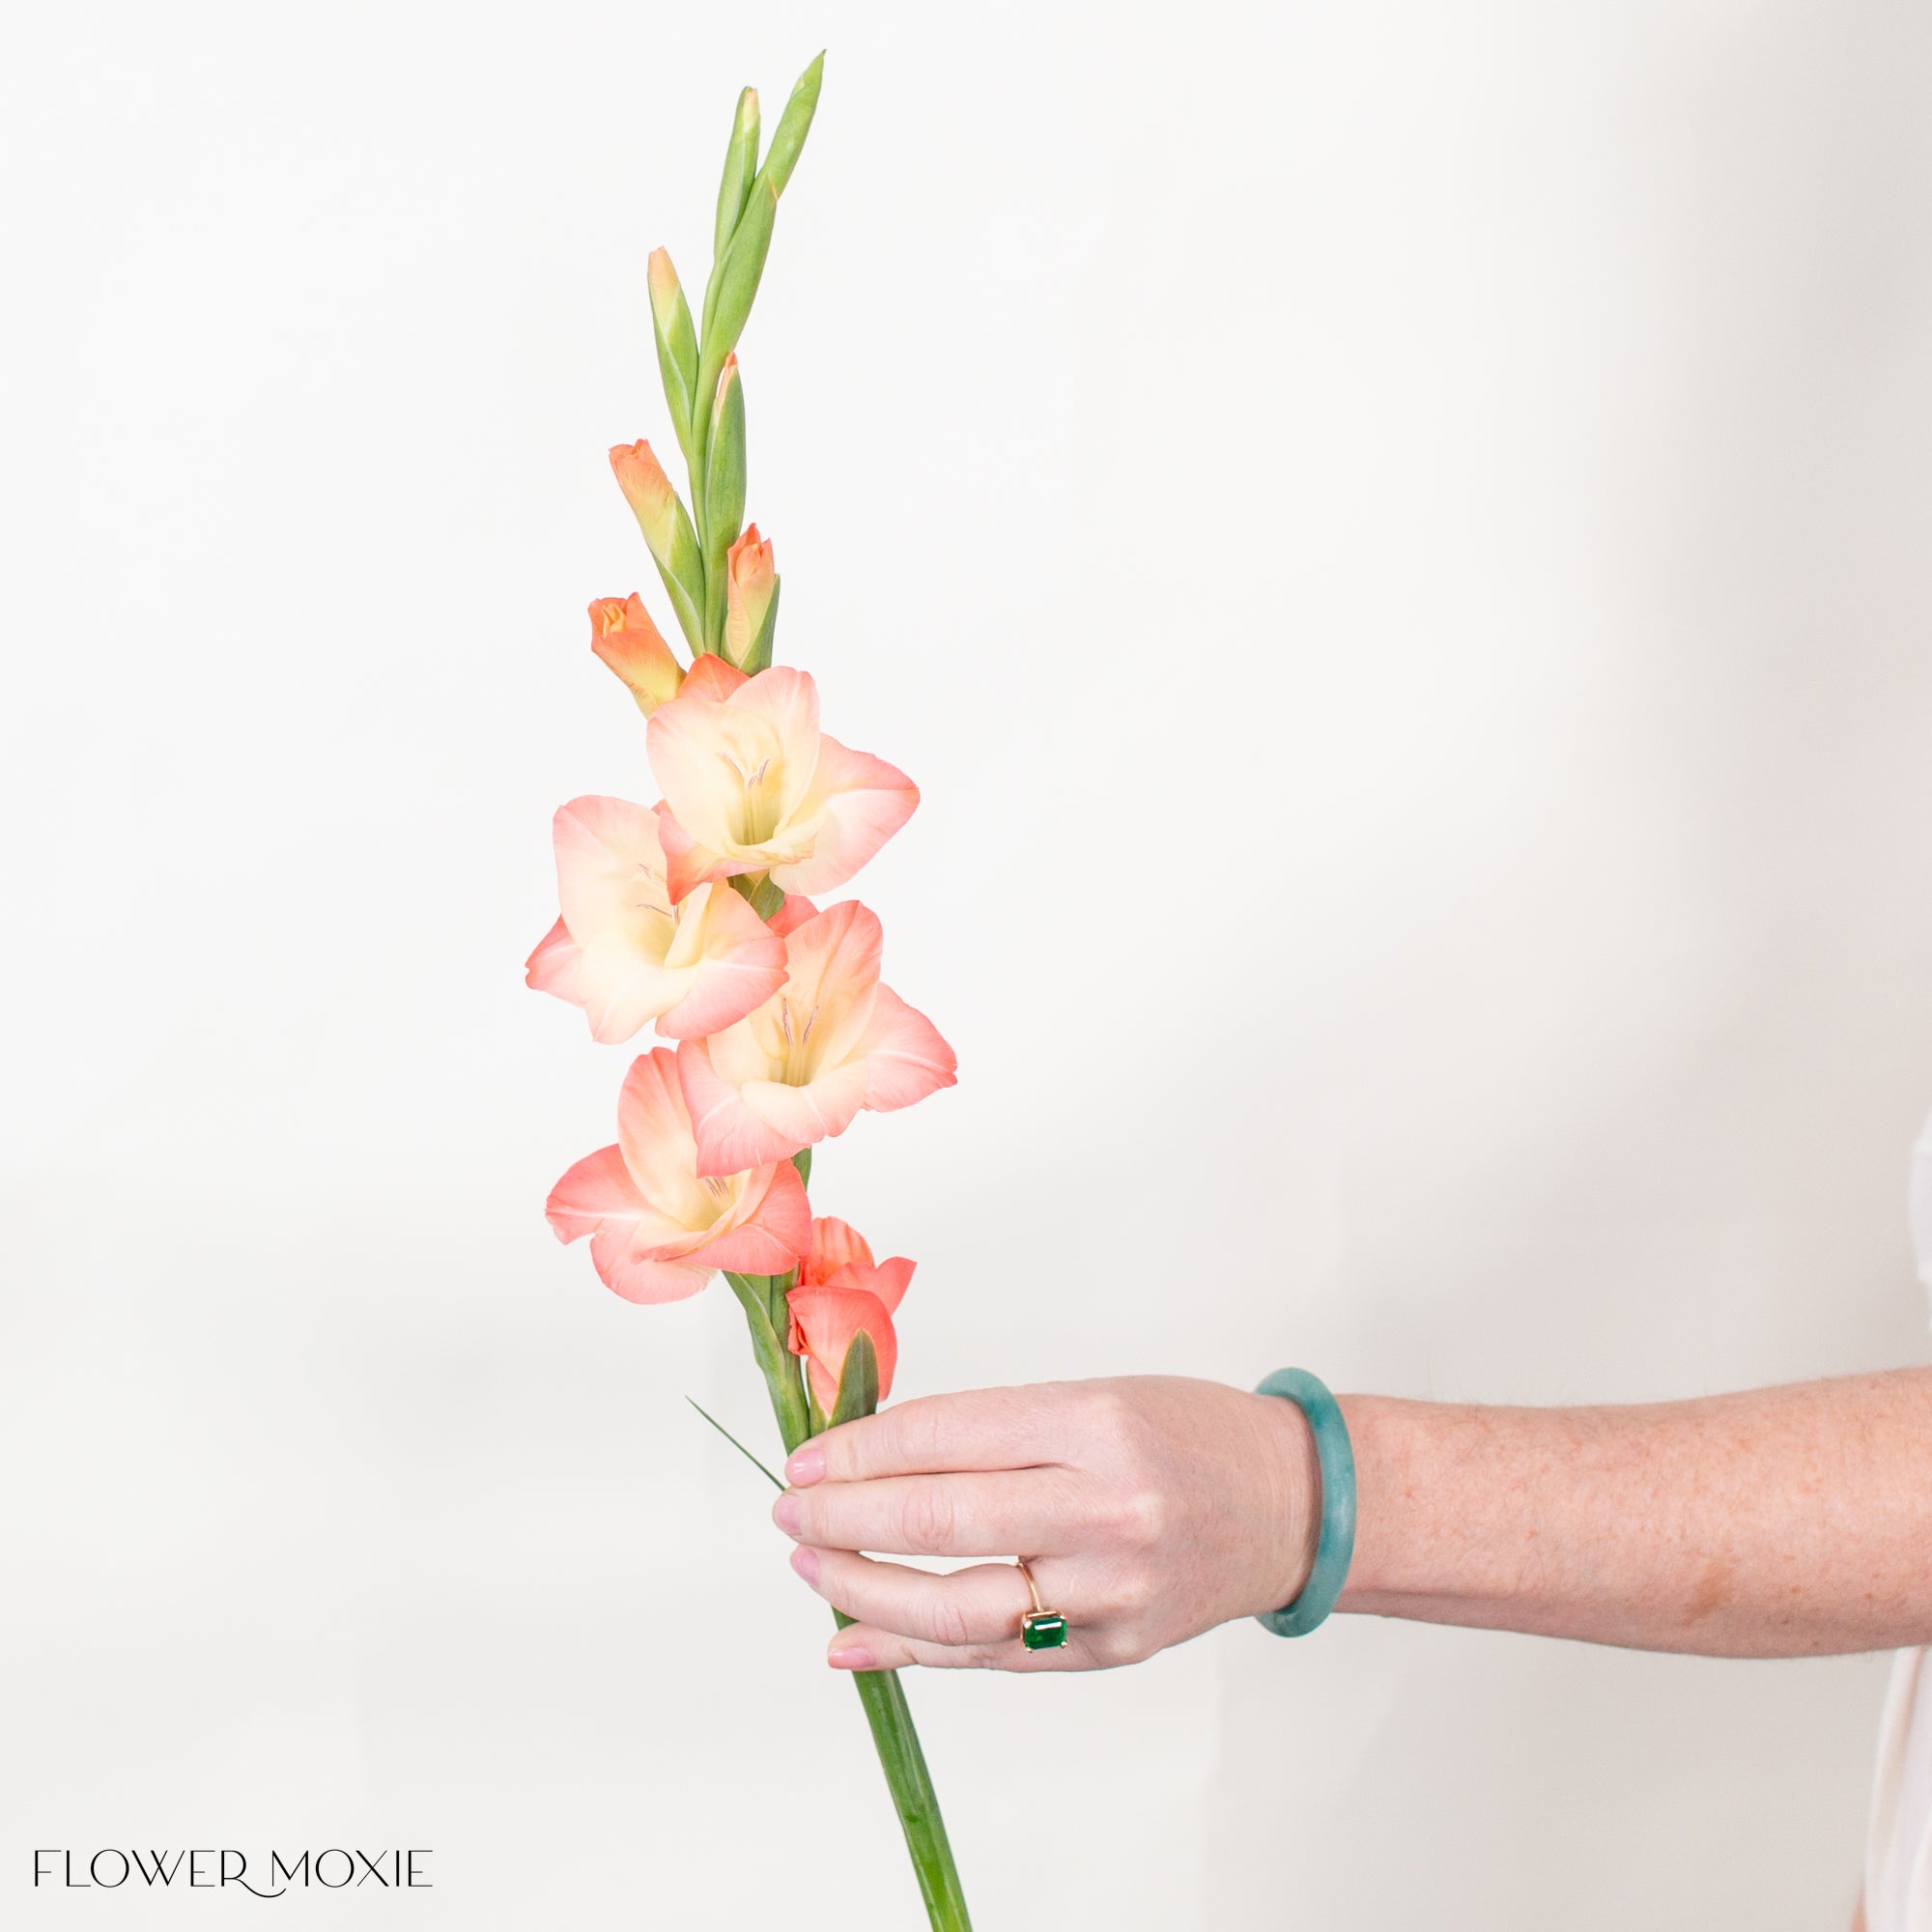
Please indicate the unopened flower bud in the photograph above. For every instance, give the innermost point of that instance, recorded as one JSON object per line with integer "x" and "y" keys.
{"x": 623, "y": 635}
{"x": 667, "y": 530}
{"x": 677, "y": 345}
{"x": 750, "y": 601}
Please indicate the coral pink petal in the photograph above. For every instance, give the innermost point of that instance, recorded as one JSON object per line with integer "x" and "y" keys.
{"x": 654, "y": 1134}
{"x": 686, "y": 863}
{"x": 864, "y": 801}
{"x": 621, "y": 989}
{"x": 711, "y": 679}
{"x": 905, "y": 1059}
{"x": 644, "y": 1278}
{"x": 787, "y": 1211}
{"x": 598, "y": 1188}
{"x": 553, "y": 967}
{"x": 751, "y": 1250}
{"x": 776, "y": 1231}
{"x": 731, "y": 1138}
{"x": 832, "y": 975}
{"x": 836, "y": 954}
{"x": 741, "y": 965}
{"x": 828, "y": 1319}
{"x": 726, "y": 990}
{"x": 793, "y": 914}
{"x": 804, "y": 1116}
{"x": 598, "y": 1198}
{"x": 889, "y": 1280}
{"x": 833, "y": 1245}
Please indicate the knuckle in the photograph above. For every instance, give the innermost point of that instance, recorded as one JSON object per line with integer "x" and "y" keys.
{"x": 1116, "y": 1648}
{"x": 947, "y": 1622}
{"x": 926, "y": 1519}
{"x": 1109, "y": 1416}
{"x": 1138, "y": 1517}
{"x": 920, "y": 1429}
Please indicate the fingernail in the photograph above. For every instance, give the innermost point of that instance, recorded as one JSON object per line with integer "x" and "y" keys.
{"x": 805, "y": 1561}
{"x": 854, "y": 1658}
{"x": 786, "y": 1512}
{"x": 807, "y": 1464}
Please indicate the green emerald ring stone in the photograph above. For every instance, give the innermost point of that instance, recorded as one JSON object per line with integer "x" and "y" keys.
{"x": 1043, "y": 1630}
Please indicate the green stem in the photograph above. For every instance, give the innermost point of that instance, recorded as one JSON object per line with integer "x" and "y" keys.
{"x": 913, "y": 1796}
{"x": 777, "y": 1363}
{"x": 880, "y": 1691}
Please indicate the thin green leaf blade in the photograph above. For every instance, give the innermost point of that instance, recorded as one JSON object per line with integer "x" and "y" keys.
{"x": 777, "y": 1481}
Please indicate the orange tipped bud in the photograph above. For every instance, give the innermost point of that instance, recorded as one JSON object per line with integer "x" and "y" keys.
{"x": 665, "y": 292}
{"x": 677, "y": 346}
{"x": 623, "y": 635}
{"x": 648, "y": 492}
{"x": 668, "y": 531}
{"x": 750, "y": 595}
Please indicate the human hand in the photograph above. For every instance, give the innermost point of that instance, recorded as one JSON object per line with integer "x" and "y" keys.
{"x": 1149, "y": 1508}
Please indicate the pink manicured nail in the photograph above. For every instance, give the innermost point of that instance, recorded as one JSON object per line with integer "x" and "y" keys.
{"x": 806, "y": 1562}
{"x": 786, "y": 1513}
{"x": 857, "y": 1658}
{"x": 806, "y": 1465}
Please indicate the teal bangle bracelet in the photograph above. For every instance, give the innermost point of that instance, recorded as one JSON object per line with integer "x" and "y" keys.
{"x": 1336, "y": 1544}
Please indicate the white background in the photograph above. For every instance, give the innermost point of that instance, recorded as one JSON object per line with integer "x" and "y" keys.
{"x": 1392, "y": 538}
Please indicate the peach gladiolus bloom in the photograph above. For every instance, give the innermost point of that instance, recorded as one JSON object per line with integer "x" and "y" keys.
{"x": 842, "y": 1291}
{"x": 623, "y": 635}
{"x": 624, "y": 954}
{"x": 752, "y": 784}
{"x": 832, "y": 1041}
{"x": 657, "y": 1230}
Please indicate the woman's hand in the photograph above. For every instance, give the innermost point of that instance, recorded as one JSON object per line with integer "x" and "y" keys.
{"x": 1150, "y": 1509}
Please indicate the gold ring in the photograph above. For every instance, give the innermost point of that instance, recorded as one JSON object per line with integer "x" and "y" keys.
{"x": 1040, "y": 1629}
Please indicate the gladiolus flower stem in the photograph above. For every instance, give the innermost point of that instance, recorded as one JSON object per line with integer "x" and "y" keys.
{"x": 894, "y": 1736}
{"x": 765, "y": 899}
{"x": 763, "y": 1301}
{"x": 914, "y": 1800}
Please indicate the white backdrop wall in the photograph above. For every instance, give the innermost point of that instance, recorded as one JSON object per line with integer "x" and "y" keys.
{"x": 1418, "y": 511}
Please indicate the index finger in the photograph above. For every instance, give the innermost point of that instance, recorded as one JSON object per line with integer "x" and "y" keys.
{"x": 974, "y": 1430}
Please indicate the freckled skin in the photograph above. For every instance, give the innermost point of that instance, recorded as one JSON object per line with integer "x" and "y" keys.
{"x": 1774, "y": 1523}
{"x": 1712, "y": 1594}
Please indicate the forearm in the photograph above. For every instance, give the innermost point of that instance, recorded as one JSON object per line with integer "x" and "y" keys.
{"x": 1780, "y": 1522}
